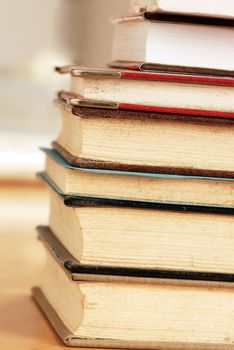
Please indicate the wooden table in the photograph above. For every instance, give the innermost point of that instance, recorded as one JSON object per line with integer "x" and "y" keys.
{"x": 22, "y": 324}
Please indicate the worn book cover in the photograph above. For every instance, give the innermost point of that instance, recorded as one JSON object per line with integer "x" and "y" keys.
{"x": 100, "y": 273}
{"x": 98, "y": 201}
{"x": 76, "y": 107}
{"x": 179, "y": 78}
{"x": 195, "y": 287}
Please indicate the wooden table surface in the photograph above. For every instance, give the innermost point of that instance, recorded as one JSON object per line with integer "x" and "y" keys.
{"x": 22, "y": 324}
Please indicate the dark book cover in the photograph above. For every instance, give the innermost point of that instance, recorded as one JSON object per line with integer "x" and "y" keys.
{"x": 72, "y": 200}
{"x": 79, "y": 272}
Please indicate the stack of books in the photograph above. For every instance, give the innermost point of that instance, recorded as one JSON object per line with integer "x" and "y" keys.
{"x": 141, "y": 178}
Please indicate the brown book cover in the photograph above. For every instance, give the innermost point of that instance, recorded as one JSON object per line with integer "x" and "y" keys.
{"x": 79, "y": 109}
{"x": 85, "y": 108}
{"x": 98, "y": 164}
{"x": 154, "y": 67}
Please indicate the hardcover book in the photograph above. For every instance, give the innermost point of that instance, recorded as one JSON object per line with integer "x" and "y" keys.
{"x": 144, "y": 234}
{"x": 180, "y": 93}
{"x": 146, "y": 141}
{"x": 157, "y": 313}
{"x": 160, "y": 187}
{"x": 175, "y": 42}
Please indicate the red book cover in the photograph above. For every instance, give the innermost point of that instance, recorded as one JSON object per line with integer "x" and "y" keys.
{"x": 105, "y": 73}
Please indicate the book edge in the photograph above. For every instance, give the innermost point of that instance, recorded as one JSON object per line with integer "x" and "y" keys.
{"x": 162, "y": 73}
{"x": 169, "y": 69}
{"x": 99, "y": 164}
{"x": 61, "y": 330}
{"x": 77, "y": 272}
{"x": 56, "y": 157}
{"x": 74, "y": 200}
{"x": 175, "y": 17}
{"x": 70, "y": 339}
{"x": 86, "y": 108}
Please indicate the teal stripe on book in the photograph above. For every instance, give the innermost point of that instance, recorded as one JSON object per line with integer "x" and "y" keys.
{"x": 62, "y": 162}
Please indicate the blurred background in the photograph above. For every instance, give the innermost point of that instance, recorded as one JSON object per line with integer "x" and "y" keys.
{"x": 35, "y": 36}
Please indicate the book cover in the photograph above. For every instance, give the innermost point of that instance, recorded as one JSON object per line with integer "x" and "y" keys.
{"x": 176, "y": 17}
{"x": 80, "y": 272}
{"x": 161, "y": 16}
{"x": 85, "y": 163}
{"x": 88, "y": 201}
{"x": 157, "y": 76}
{"x": 53, "y": 154}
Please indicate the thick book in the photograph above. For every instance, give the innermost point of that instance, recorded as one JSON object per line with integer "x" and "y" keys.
{"x": 179, "y": 93}
{"x": 160, "y": 187}
{"x": 211, "y": 8}
{"x": 144, "y": 234}
{"x": 78, "y": 271}
{"x": 146, "y": 141}
{"x": 147, "y": 314}
{"x": 175, "y": 42}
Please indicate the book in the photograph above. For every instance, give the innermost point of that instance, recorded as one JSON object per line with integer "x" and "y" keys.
{"x": 160, "y": 187}
{"x": 146, "y": 141}
{"x": 143, "y": 234}
{"x": 100, "y": 273}
{"x": 213, "y": 8}
{"x": 161, "y": 313}
{"x": 202, "y": 95}
{"x": 175, "y": 42}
